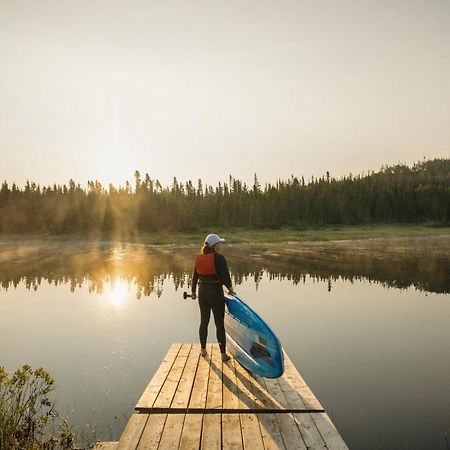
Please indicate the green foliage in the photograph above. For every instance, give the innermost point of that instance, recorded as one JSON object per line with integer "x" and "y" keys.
{"x": 395, "y": 194}
{"x": 27, "y": 413}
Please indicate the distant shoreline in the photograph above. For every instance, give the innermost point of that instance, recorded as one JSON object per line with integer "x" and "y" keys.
{"x": 248, "y": 236}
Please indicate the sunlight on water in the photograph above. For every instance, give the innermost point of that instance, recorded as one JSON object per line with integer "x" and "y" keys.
{"x": 119, "y": 292}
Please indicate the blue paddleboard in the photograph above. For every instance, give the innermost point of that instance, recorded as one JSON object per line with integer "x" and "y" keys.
{"x": 251, "y": 341}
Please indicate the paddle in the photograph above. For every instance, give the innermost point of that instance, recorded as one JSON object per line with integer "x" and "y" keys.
{"x": 186, "y": 295}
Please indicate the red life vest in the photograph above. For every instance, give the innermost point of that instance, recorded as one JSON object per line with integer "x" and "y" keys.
{"x": 204, "y": 264}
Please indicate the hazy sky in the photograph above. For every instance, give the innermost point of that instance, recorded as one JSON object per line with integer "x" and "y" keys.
{"x": 94, "y": 89}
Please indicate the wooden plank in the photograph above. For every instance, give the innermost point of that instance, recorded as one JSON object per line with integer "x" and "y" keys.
{"x": 330, "y": 435}
{"x": 251, "y": 432}
{"x": 275, "y": 394}
{"x": 309, "y": 431}
{"x": 152, "y": 432}
{"x": 286, "y": 422}
{"x": 305, "y": 423}
{"x": 168, "y": 389}
{"x": 214, "y": 398}
{"x": 171, "y": 434}
{"x": 289, "y": 431}
{"x": 231, "y": 432}
{"x": 325, "y": 427}
{"x": 245, "y": 393}
{"x": 322, "y": 422}
{"x": 111, "y": 445}
{"x": 299, "y": 384}
{"x": 200, "y": 388}
{"x": 192, "y": 431}
{"x": 211, "y": 432}
{"x": 292, "y": 396}
{"x": 229, "y": 387}
{"x": 185, "y": 349}
{"x": 184, "y": 389}
{"x": 133, "y": 431}
{"x": 270, "y": 432}
{"x": 259, "y": 391}
{"x": 265, "y": 400}
{"x": 262, "y": 396}
{"x": 152, "y": 390}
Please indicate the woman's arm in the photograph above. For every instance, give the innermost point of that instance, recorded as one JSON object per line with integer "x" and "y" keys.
{"x": 222, "y": 271}
{"x": 194, "y": 281}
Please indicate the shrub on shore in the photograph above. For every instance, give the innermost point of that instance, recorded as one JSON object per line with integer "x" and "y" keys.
{"x": 28, "y": 418}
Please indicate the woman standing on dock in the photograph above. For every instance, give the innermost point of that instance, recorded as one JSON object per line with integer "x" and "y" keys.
{"x": 211, "y": 272}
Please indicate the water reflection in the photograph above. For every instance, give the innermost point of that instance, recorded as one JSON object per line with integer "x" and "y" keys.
{"x": 119, "y": 291}
{"x": 141, "y": 270}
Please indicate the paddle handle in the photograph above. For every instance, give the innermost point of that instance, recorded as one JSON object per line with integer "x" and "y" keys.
{"x": 186, "y": 295}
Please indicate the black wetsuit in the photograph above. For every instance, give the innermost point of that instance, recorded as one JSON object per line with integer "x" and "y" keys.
{"x": 210, "y": 297}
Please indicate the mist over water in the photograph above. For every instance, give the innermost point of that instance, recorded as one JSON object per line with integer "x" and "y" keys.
{"x": 422, "y": 262}
{"x": 365, "y": 322}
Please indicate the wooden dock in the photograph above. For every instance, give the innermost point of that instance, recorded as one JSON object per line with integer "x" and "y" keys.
{"x": 197, "y": 402}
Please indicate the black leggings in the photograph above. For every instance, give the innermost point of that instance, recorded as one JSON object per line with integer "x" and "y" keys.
{"x": 210, "y": 297}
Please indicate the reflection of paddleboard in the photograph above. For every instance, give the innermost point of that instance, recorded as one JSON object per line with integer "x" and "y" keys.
{"x": 251, "y": 341}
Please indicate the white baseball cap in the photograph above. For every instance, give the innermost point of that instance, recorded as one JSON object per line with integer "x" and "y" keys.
{"x": 213, "y": 239}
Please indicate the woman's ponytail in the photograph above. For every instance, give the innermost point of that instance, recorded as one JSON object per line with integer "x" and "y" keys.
{"x": 206, "y": 248}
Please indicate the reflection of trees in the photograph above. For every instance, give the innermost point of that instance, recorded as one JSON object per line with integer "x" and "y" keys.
{"x": 394, "y": 263}
{"x": 96, "y": 264}
{"x": 399, "y": 263}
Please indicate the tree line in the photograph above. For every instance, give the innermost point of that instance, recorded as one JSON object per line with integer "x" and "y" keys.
{"x": 395, "y": 194}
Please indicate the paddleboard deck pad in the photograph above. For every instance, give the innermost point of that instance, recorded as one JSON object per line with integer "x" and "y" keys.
{"x": 251, "y": 341}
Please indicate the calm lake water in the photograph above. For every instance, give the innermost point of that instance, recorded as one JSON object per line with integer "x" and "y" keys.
{"x": 367, "y": 323}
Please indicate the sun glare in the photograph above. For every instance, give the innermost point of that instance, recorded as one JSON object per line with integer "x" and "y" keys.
{"x": 119, "y": 291}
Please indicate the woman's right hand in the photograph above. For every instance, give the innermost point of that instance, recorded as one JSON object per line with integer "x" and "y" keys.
{"x": 193, "y": 296}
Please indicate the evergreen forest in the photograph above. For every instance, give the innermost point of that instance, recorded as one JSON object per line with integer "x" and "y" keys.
{"x": 395, "y": 194}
